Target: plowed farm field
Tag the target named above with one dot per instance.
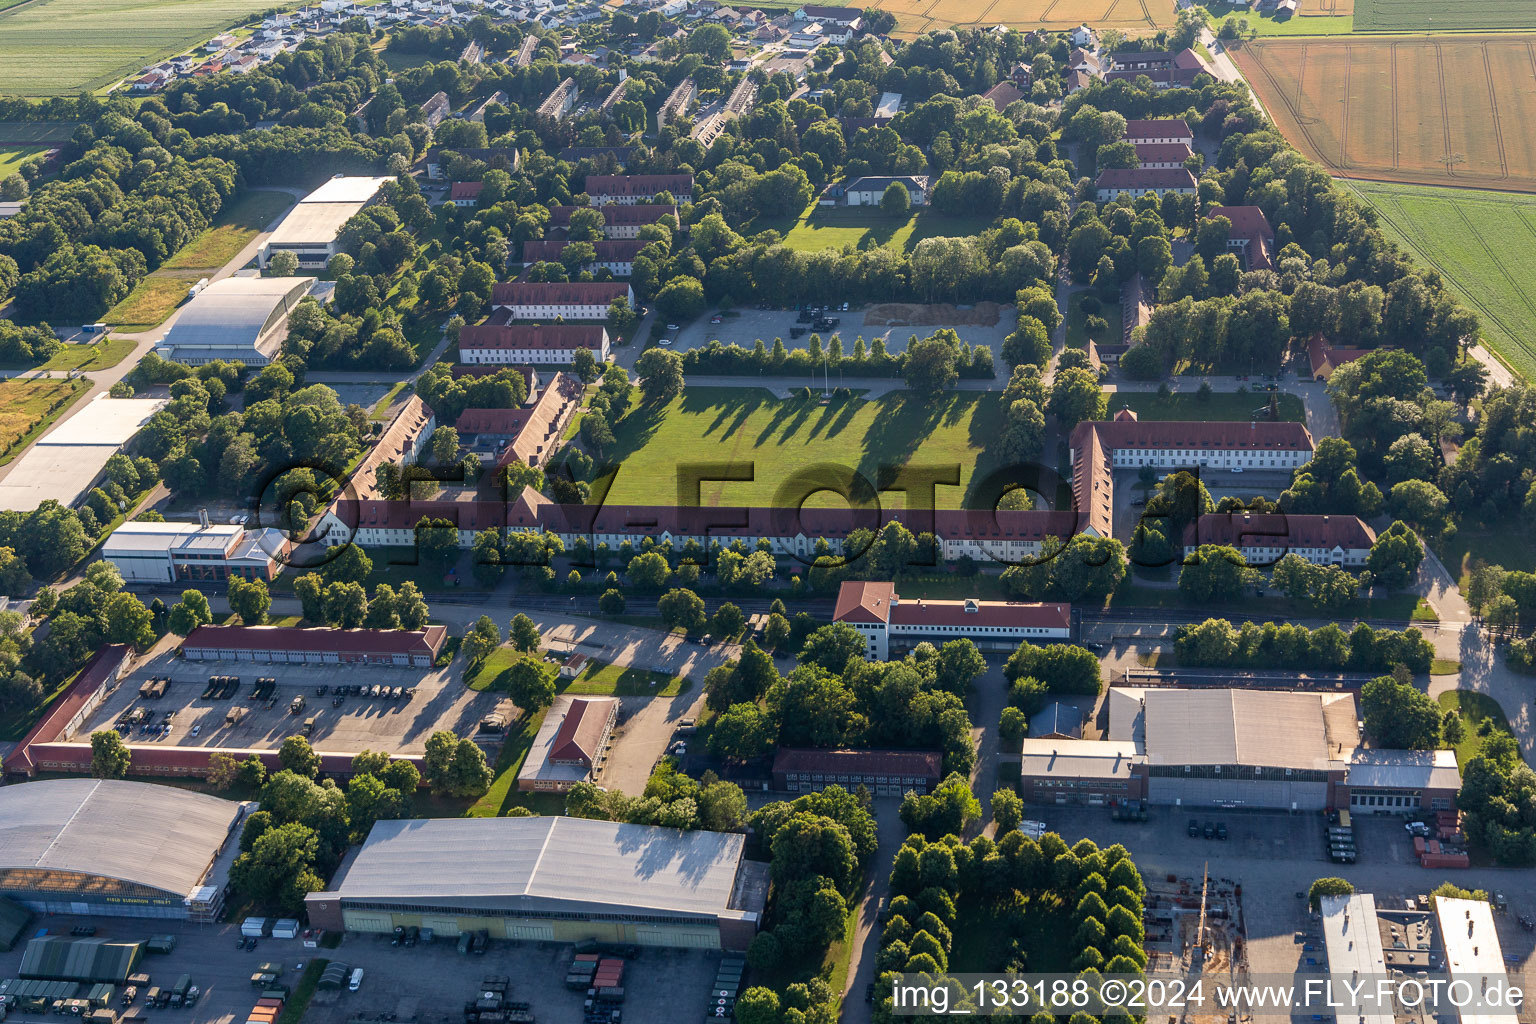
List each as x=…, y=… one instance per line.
x=1450, y=111
x=914, y=17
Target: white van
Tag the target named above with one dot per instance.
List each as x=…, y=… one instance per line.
x=356, y=981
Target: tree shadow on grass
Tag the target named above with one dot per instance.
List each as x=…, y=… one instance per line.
x=902, y=422
x=735, y=405
x=635, y=430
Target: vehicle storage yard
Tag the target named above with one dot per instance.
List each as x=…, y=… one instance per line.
x=348, y=722
x=426, y=982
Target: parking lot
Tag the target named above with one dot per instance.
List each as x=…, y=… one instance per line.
x=357, y=723
x=425, y=983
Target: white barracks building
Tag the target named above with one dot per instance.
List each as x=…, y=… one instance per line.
x=877, y=611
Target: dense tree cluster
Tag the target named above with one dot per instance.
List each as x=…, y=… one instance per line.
x=1498, y=796
x=1089, y=900
x=670, y=799
x=1216, y=643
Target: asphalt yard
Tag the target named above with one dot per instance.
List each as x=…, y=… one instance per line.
x=399, y=726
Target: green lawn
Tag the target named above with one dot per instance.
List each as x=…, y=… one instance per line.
x=503, y=793
x=1187, y=405
x=1267, y=25
x=35, y=133
x=1482, y=243
x=1480, y=717
x=1078, y=334
x=1424, y=612
x=60, y=47
x=833, y=227
x=598, y=679
x=1444, y=667
x=241, y=219
x=1505, y=545
x=99, y=356
x=381, y=407
x=778, y=452
x=151, y=301
x=12, y=157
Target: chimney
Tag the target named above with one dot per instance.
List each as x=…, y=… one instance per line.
x=202, y=518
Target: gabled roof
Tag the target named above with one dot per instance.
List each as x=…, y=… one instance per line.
x=1251, y=529
x=619, y=250
x=1002, y=94
x=627, y=216
x=558, y=293
x=465, y=190
x=557, y=337
x=1163, y=152
x=1169, y=128
x=426, y=641
x=581, y=732
x=1145, y=177
x=638, y=185
x=862, y=601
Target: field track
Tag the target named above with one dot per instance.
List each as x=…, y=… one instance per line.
x=1444, y=111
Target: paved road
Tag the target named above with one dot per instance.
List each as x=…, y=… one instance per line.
x=1225, y=69
x=866, y=938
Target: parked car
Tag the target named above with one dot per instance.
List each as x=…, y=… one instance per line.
x=673, y=327
x=1194, y=828
x=1210, y=830
x=1221, y=831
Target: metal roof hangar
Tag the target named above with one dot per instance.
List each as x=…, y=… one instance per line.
x=115, y=849
x=552, y=879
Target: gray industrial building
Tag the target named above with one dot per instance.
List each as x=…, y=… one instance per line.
x=312, y=228
x=551, y=879
x=242, y=319
x=115, y=849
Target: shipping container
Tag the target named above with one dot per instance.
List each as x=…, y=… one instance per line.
x=253, y=927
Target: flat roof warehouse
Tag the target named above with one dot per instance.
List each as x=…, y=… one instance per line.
x=67, y=461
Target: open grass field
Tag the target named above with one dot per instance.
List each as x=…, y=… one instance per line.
x=1483, y=243
x=1317, y=18
x=35, y=133
x=234, y=227
x=59, y=47
x=12, y=157
x=833, y=227
x=27, y=406
x=795, y=449
x=1446, y=111
x=1132, y=16
x=1222, y=406
x=1437, y=16
x=1078, y=334
x=151, y=301
x=1480, y=716
x=100, y=356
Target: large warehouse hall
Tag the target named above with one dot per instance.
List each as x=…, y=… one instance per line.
x=115, y=849
x=551, y=879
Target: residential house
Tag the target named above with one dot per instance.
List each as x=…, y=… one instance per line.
x=571, y=300
x=1250, y=237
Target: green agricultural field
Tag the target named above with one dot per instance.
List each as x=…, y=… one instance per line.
x=1437, y=16
x=59, y=47
x=793, y=449
x=1267, y=25
x=1484, y=243
x=833, y=227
